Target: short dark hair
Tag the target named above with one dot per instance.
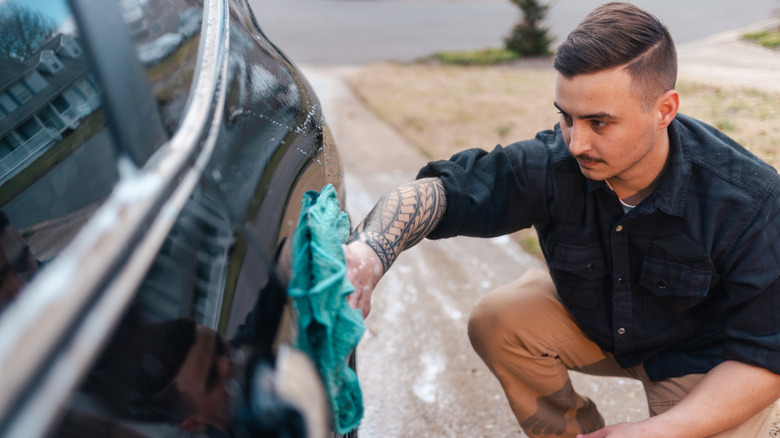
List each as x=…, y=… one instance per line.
x=621, y=34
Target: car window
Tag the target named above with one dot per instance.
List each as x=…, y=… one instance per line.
x=57, y=155
x=166, y=34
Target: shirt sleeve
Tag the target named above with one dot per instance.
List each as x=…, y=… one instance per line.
x=494, y=193
x=752, y=325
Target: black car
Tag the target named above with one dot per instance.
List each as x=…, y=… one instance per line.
x=153, y=158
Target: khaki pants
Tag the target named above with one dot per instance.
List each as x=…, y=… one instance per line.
x=529, y=341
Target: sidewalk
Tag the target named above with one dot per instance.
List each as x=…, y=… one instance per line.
x=726, y=60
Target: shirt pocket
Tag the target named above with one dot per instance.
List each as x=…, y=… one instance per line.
x=674, y=284
x=579, y=273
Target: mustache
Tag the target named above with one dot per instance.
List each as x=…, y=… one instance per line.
x=586, y=157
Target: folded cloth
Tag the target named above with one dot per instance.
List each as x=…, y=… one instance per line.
x=328, y=328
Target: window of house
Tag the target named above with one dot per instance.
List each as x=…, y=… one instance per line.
x=72, y=48
x=14, y=139
x=20, y=92
x=35, y=82
x=8, y=103
x=50, y=62
x=50, y=119
x=85, y=89
x=6, y=146
x=60, y=104
x=28, y=129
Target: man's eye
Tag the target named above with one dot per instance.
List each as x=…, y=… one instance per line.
x=598, y=123
x=566, y=118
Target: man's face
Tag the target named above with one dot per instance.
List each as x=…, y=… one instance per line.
x=204, y=380
x=608, y=131
x=17, y=264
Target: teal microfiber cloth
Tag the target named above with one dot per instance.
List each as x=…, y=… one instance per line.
x=329, y=329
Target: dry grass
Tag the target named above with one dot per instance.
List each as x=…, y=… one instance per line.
x=748, y=116
x=444, y=109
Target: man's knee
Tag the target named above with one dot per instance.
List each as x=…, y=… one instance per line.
x=507, y=312
x=482, y=325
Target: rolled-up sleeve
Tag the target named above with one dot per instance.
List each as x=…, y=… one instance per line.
x=494, y=193
x=752, y=326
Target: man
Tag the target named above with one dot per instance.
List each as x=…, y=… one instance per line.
x=181, y=372
x=659, y=233
x=176, y=371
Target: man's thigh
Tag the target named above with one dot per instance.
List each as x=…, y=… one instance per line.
x=531, y=315
x=527, y=313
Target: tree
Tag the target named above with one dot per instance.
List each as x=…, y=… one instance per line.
x=23, y=30
x=529, y=38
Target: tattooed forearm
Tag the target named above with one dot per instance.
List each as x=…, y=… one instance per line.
x=402, y=218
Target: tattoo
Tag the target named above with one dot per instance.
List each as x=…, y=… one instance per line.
x=402, y=218
x=558, y=412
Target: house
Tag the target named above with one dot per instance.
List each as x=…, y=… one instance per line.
x=41, y=97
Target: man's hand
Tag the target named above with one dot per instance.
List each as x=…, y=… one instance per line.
x=364, y=271
x=401, y=218
x=729, y=394
x=621, y=430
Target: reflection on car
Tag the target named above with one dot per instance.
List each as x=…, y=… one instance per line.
x=153, y=157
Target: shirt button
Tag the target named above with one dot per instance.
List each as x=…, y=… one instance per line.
x=662, y=284
x=621, y=281
x=621, y=331
x=619, y=228
x=590, y=267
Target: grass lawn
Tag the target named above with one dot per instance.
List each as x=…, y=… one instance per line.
x=444, y=109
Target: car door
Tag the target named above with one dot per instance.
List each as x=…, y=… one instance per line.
x=173, y=160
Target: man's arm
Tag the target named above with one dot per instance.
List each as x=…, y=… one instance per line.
x=400, y=220
x=728, y=395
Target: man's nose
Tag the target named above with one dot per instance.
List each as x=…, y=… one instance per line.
x=580, y=140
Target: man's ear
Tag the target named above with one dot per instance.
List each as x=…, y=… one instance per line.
x=193, y=424
x=667, y=107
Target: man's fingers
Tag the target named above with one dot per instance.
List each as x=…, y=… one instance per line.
x=356, y=301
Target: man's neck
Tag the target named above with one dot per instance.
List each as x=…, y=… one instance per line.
x=634, y=189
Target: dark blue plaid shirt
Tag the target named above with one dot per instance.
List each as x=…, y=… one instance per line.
x=684, y=281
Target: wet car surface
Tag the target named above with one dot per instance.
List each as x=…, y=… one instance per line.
x=153, y=155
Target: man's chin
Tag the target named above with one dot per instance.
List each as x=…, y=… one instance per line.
x=593, y=174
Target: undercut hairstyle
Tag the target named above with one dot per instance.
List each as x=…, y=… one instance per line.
x=620, y=34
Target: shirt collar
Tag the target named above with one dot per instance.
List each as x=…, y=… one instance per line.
x=670, y=194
